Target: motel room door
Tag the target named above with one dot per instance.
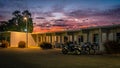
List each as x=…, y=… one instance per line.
x=118, y=37
x=65, y=39
x=80, y=39
x=96, y=38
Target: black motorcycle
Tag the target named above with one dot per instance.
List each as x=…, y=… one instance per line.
x=71, y=49
x=85, y=48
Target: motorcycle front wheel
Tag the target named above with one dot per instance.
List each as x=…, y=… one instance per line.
x=64, y=51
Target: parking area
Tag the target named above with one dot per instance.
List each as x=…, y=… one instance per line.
x=53, y=58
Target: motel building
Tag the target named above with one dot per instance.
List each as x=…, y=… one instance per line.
x=92, y=34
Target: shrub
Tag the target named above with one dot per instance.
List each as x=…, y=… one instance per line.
x=45, y=45
x=22, y=44
x=5, y=44
x=112, y=47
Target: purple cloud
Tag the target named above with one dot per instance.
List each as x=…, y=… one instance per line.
x=58, y=8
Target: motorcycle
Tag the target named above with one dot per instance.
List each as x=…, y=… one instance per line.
x=85, y=48
x=71, y=49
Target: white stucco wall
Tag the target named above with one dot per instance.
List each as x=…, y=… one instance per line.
x=16, y=37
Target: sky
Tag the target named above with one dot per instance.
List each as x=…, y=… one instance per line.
x=64, y=14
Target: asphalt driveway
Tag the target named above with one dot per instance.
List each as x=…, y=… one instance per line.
x=52, y=58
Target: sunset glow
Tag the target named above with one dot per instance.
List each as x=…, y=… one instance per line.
x=60, y=15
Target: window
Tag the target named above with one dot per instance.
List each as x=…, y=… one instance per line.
x=39, y=39
x=80, y=38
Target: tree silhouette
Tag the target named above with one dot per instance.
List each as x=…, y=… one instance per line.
x=3, y=26
x=17, y=22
